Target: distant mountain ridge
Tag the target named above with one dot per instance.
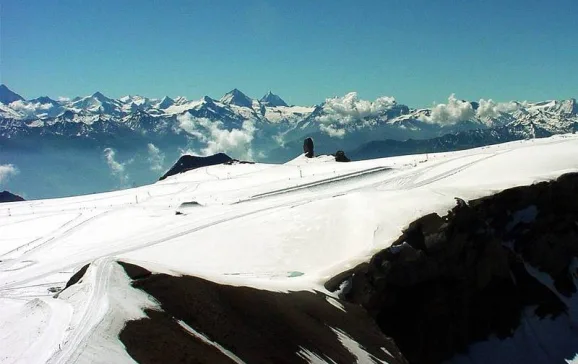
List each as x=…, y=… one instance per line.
x=269, y=125
x=97, y=143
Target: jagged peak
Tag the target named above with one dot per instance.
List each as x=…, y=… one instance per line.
x=44, y=100
x=179, y=100
x=270, y=99
x=207, y=100
x=7, y=96
x=166, y=102
x=99, y=96
x=236, y=97
x=570, y=106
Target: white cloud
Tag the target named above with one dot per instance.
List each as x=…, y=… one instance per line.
x=332, y=130
x=191, y=125
x=117, y=169
x=457, y=110
x=156, y=157
x=29, y=108
x=63, y=99
x=7, y=171
x=350, y=108
x=234, y=142
x=279, y=138
x=339, y=112
x=489, y=109
x=452, y=112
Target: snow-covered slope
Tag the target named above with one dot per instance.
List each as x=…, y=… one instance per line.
x=273, y=227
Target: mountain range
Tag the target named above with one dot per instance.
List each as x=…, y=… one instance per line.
x=263, y=130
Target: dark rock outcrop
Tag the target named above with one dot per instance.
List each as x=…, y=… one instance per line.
x=451, y=281
x=341, y=157
x=76, y=277
x=308, y=148
x=134, y=271
x=189, y=162
x=6, y=196
x=236, y=161
x=257, y=326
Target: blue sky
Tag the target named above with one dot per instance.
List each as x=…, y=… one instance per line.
x=417, y=51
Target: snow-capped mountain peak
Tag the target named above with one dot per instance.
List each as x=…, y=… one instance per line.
x=270, y=99
x=236, y=97
x=180, y=100
x=100, y=97
x=45, y=100
x=569, y=107
x=165, y=103
x=7, y=96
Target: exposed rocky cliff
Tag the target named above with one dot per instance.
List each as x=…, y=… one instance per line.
x=476, y=273
x=253, y=326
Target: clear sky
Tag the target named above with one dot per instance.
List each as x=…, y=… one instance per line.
x=418, y=51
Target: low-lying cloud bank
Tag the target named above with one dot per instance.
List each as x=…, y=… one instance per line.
x=339, y=112
x=156, y=158
x=7, y=171
x=350, y=108
x=458, y=110
x=234, y=142
x=117, y=168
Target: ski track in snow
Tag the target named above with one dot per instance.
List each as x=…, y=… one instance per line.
x=93, y=313
x=258, y=217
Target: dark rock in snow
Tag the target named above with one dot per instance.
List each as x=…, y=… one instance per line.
x=308, y=148
x=236, y=161
x=255, y=326
x=76, y=276
x=189, y=162
x=341, y=157
x=6, y=196
x=479, y=277
x=135, y=271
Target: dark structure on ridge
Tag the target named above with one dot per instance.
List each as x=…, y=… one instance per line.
x=341, y=157
x=308, y=148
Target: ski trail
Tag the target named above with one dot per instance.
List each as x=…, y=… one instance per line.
x=322, y=182
x=93, y=312
x=19, y=254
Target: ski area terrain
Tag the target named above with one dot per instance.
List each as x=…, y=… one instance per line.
x=247, y=263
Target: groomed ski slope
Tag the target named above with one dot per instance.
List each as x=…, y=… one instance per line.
x=275, y=227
